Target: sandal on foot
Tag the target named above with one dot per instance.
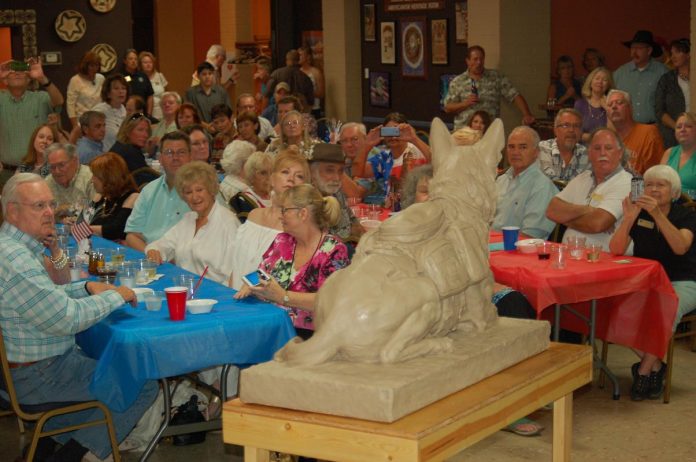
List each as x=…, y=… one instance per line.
x=524, y=427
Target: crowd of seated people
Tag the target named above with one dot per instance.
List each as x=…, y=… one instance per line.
x=169, y=176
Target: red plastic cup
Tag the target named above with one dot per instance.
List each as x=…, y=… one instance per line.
x=176, y=301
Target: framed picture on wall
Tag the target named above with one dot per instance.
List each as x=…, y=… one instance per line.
x=413, y=48
x=380, y=93
x=438, y=30
x=369, y=21
x=445, y=80
x=461, y=17
x=387, y=39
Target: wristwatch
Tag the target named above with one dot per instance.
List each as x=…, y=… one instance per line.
x=286, y=298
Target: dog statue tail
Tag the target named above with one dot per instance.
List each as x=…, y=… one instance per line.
x=316, y=350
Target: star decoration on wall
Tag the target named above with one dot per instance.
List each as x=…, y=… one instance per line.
x=70, y=26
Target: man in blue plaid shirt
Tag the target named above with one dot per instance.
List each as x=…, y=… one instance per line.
x=39, y=320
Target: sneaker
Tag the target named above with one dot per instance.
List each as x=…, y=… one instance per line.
x=657, y=382
x=640, y=388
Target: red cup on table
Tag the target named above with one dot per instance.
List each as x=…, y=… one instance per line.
x=176, y=301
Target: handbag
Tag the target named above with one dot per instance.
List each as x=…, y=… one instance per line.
x=188, y=413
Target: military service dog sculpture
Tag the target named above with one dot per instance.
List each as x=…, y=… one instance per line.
x=421, y=275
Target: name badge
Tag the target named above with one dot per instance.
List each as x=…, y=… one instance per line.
x=646, y=223
x=596, y=198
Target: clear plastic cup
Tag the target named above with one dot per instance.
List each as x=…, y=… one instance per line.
x=153, y=301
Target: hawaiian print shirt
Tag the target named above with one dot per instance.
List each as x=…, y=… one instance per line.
x=331, y=255
x=491, y=86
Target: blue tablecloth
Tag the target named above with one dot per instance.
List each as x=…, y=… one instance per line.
x=133, y=345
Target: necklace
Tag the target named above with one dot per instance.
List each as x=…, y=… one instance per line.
x=598, y=114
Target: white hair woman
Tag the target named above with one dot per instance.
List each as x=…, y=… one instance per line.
x=233, y=159
x=257, y=173
x=204, y=236
x=301, y=257
x=662, y=230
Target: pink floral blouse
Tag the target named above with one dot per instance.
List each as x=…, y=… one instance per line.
x=331, y=255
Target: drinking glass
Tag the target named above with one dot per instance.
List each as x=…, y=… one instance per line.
x=593, y=252
x=576, y=247
x=558, y=256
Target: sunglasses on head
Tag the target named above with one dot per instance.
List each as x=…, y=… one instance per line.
x=136, y=116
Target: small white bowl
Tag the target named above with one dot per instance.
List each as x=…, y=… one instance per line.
x=139, y=291
x=200, y=305
x=528, y=245
x=370, y=224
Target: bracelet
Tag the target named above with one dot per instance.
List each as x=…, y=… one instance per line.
x=47, y=84
x=60, y=262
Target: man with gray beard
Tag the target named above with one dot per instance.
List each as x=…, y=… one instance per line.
x=326, y=164
x=590, y=205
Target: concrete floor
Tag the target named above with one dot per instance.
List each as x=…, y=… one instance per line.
x=604, y=430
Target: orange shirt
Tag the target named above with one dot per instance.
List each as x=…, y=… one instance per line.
x=645, y=143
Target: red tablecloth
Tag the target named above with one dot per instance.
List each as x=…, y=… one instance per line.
x=636, y=304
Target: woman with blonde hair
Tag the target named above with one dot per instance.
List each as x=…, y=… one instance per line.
x=293, y=132
x=35, y=161
x=131, y=142
x=264, y=223
x=204, y=236
x=302, y=257
x=681, y=157
x=593, y=104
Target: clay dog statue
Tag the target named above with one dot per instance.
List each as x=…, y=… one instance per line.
x=419, y=276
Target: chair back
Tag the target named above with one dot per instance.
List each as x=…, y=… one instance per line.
x=8, y=384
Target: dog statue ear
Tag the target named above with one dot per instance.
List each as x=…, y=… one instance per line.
x=491, y=145
x=441, y=143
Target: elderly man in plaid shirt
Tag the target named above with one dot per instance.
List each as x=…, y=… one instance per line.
x=39, y=321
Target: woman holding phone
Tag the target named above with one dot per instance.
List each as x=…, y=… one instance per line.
x=661, y=230
x=301, y=257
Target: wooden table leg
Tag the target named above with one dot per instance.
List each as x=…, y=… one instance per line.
x=562, y=428
x=252, y=454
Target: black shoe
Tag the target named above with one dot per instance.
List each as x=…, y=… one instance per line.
x=44, y=449
x=634, y=370
x=657, y=382
x=640, y=388
x=72, y=451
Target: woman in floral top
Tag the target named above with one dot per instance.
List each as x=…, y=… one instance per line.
x=302, y=257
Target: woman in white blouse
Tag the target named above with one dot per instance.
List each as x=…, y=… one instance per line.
x=148, y=66
x=84, y=88
x=205, y=235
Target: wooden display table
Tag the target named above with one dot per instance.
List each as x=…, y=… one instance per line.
x=435, y=432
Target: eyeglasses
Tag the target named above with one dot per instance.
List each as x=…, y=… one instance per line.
x=353, y=140
x=566, y=126
x=285, y=209
x=136, y=116
x=199, y=143
x=39, y=206
x=172, y=153
x=59, y=165
x=292, y=123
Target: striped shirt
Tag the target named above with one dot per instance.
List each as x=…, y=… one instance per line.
x=39, y=319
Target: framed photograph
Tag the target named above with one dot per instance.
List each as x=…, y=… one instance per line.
x=369, y=21
x=380, y=93
x=413, y=48
x=461, y=17
x=438, y=31
x=445, y=80
x=387, y=37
